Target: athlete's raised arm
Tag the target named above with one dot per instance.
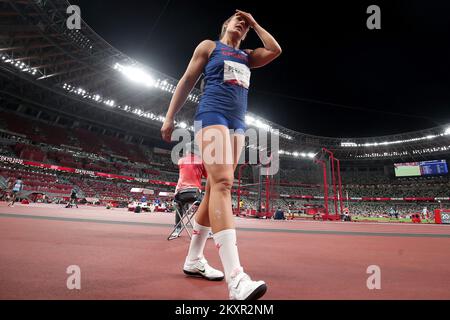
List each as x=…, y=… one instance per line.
x=271, y=50
x=193, y=72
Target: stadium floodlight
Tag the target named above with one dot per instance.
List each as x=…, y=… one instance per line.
x=257, y=123
x=262, y=125
x=447, y=131
x=110, y=103
x=348, y=144
x=311, y=155
x=135, y=74
x=249, y=119
x=303, y=155
x=295, y=154
x=183, y=125
x=385, y=143
x=286, y=136
x=139, y=76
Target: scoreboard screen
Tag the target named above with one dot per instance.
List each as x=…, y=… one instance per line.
x=424, y=168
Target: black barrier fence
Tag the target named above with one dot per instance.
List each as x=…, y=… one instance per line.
x=263, y=309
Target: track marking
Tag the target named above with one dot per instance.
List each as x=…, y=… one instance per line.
x=149, y=224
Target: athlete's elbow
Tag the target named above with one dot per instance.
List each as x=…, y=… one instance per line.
x=273, y=54
x=278, y=51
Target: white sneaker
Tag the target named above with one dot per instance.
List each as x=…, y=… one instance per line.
x=243, y=288
x=201, y=268
x=176, y=233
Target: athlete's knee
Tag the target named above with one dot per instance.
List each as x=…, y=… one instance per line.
x=223, y=182
x=207, y=186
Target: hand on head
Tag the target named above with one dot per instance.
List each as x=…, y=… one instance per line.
x=247, y=17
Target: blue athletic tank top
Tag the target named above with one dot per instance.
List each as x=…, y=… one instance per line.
x=226, y=82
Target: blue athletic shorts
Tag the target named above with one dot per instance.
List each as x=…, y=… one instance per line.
x=206, y=119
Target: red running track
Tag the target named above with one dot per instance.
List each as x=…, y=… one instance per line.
x=126, y=256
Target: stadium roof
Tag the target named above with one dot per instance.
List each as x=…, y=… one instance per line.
x=78, y=74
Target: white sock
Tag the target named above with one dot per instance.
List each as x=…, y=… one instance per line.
x=198, y=241
x=225, y=241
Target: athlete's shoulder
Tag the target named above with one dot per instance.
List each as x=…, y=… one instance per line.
x=205, y=49
x=208, y=42
x=206, y=46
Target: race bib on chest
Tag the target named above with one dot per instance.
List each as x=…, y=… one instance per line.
x=236, y=73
